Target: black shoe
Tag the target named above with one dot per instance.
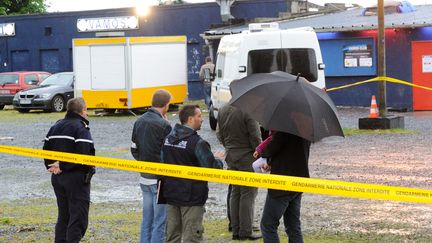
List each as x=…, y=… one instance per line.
x=250, y=237
x=235, y=237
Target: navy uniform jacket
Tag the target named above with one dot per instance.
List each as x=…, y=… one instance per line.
x=71, y=135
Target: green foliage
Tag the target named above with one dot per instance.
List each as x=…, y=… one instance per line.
x=12, y=7
x=166, y=2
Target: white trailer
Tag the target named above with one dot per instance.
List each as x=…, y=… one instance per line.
x=123, y=72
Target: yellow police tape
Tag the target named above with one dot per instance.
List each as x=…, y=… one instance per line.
x=380, y=79
x=310, y=185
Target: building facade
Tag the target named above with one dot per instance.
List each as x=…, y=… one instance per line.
x=44, y=41
x=348, y=42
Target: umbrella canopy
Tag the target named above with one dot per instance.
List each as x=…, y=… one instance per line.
x=283, y=102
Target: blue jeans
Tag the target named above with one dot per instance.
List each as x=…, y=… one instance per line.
x=287, y=207
x=154, y=216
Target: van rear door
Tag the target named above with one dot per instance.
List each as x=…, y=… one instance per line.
x=301, y=54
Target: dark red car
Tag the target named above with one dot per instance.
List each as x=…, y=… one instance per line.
x=13, y=82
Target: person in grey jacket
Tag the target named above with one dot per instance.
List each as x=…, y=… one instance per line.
x=240, y=135
x=148, y=134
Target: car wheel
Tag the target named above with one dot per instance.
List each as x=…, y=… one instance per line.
x=57, y=104
x=23, y=110
x=110, y=111
x=1, y=107
x=212, y=119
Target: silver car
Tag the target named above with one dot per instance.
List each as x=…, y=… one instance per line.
x=51, y=95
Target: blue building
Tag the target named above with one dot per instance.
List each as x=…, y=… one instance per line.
x=348, y=35
x=44, y=41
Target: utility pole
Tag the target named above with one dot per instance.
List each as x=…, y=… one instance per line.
x=382, y=103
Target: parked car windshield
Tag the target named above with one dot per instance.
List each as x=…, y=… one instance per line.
x=9, y=79
x=58, y=79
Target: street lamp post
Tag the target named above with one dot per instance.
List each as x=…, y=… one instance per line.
x=381, y=60
x=384, y=121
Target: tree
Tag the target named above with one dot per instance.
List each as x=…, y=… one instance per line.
x=168, y=2
x=11, y=7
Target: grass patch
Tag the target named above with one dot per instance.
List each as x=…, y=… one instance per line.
x=31, y=117
x=5, y=220
x=11, y=115
x=355, y=131
x=34, y=220
x=119, y=153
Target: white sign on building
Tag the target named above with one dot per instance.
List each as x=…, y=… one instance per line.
x=7, y=29
x=427, y=63
x=107, y=24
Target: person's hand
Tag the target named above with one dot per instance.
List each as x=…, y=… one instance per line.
x=55, y=168
x=265, y=167
x=220, y=154
x=256, y=154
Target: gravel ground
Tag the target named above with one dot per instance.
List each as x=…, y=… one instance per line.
x=390, y=159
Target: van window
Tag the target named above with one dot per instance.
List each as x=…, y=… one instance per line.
x=292, y=60
x=220, y=65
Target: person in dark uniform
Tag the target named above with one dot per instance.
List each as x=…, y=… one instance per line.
x=71, y=182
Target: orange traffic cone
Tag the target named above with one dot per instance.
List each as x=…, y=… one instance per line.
x=373, y=108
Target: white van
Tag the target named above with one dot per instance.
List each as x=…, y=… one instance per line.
x=264, y=48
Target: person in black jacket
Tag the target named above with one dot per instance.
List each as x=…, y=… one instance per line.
x=185, y=197
x=148, y=136
x=71, y=182
x=287, y=155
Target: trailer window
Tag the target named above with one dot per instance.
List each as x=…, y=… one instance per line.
x=293, y=61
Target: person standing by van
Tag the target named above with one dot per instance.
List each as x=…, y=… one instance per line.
x=240, y=135
x=206, y=75
x=287, y=155
x=148, y=135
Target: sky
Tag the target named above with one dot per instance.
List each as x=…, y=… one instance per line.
x=77, y=5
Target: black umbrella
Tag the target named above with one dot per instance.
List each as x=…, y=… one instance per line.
x=283, y=102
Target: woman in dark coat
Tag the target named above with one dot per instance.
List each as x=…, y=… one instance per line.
x=287, y=155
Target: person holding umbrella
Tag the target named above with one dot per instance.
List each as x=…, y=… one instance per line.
x=287, y=155
x=299, y=113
